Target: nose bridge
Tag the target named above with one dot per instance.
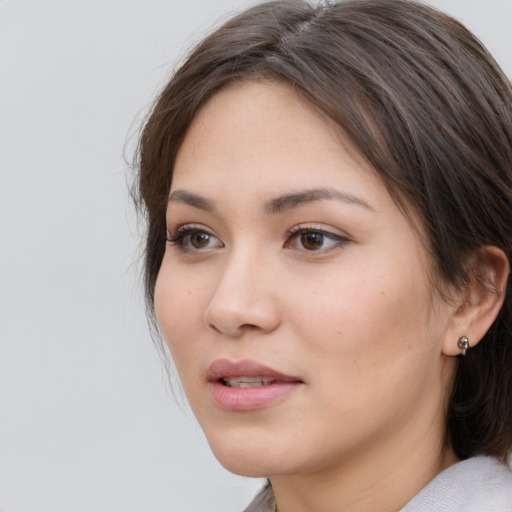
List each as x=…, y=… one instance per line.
x=243, y=298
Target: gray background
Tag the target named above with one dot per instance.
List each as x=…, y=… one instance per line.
x=86, y=419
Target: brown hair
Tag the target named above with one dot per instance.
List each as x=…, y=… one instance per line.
x=422, y=101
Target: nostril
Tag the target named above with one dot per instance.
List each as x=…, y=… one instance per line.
x=213, y=327
x=237, y=308
x=233, y=330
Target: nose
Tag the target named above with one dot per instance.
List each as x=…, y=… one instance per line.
x=244, y=299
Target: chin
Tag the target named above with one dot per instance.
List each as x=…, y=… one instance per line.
x=245, y=469
x=247, y=457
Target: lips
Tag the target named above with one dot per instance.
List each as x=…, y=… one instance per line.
x=247, y=382
x=247, y=385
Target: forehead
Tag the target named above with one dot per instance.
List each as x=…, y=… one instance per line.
x=267, y=128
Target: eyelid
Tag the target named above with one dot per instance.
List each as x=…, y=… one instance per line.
x=330, y=232
x=187, y=228
x=179, y=236
x=338, y=239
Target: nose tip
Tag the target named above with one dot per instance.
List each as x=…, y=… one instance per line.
x=243, y=302
x=237, y=321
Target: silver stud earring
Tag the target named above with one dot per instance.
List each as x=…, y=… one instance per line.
x=463, y=344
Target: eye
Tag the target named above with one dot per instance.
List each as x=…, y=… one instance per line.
x=314, y=239
x=193, y=238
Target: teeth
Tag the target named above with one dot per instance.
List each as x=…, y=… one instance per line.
x=247, y=382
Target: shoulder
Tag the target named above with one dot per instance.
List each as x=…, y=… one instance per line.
x=478, y=484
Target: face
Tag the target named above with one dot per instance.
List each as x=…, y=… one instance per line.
x=294, y=295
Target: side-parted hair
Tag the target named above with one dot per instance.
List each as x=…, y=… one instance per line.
x=418, y=97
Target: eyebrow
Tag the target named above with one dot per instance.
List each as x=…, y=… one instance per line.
x=296, y=199
x=200, y=202
x=279, y=204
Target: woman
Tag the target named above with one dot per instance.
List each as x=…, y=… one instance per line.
x=329, y=192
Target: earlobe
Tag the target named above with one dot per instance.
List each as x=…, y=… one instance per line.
x=480, y=302
x=463, y=344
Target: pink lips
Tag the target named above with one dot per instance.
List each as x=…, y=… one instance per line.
x=249, y=397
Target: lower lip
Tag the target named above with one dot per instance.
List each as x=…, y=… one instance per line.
x=248, y=399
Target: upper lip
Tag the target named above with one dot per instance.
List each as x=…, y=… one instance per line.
x=226, y=369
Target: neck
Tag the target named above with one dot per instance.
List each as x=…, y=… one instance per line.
x=383, y=478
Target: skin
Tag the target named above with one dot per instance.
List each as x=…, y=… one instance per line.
x=355, y=318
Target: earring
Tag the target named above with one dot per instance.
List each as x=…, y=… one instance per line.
x=463, y=344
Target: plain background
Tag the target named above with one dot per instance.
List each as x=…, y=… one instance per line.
x=87, y=423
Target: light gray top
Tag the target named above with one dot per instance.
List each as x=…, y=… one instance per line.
x=479, y=484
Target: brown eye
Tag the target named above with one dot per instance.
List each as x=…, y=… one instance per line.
x=191, y=238
x=312, y=241
x=199, y=240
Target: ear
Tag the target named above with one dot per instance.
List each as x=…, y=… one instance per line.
x=479, y=303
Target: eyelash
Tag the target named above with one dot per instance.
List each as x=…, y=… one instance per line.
x=181, y=236
x=298, y=231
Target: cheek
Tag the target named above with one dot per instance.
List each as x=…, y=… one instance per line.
x=362, y=312
x=368, y=331
x=178, y=310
